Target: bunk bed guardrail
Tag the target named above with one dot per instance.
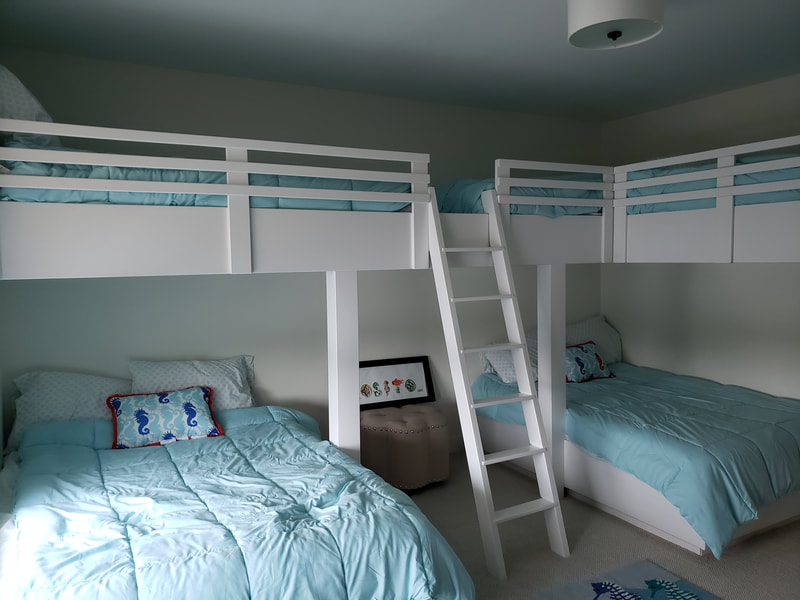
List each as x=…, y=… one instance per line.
x=42, y=239
x=735, y=204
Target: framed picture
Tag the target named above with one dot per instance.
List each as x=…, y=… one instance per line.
x=394, y=382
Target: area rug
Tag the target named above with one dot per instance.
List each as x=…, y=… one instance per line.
x=642, y=580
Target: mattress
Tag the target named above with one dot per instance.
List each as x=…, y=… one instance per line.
x=645, y=190
x=188, y=176
x=464, y=196
x=266, y=510
x=717, y=452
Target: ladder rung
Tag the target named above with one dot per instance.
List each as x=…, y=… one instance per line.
x=506, y=346
x=521, y=510
x=512, y=454
x=474, y=249
x=483, y=298
x=497, y=400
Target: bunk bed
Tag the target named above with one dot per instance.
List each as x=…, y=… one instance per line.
x=260, y=497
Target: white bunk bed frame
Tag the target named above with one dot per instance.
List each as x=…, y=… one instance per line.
x=44, y=240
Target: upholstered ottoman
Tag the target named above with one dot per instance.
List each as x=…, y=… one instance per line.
x=408, y=446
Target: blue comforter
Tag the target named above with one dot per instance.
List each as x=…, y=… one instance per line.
x=265, y=511
x=717, y=452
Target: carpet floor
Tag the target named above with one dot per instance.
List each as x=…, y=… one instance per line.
x=764, y=566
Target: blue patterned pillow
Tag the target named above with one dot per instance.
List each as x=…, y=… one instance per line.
x=162, y=417
x=584, y=363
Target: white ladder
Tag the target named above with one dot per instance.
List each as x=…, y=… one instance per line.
x=548, y=503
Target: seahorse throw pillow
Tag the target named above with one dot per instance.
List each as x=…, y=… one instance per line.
x=584, y=363
x=162, y=417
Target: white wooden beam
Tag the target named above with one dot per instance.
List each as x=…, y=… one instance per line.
x=239, y=217
x=551, y=329
x=344, y=428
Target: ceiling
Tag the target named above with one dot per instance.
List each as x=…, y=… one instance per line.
x=504, y=54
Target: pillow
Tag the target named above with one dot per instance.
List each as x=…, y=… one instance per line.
x=16, y=102
x=605, y=337
x=162, y=417
x=61, y=396
x=584, y=363
x=501, y=363
x=231, y=378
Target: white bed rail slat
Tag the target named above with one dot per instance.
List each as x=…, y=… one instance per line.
x=553, y=201
x=710, y=154
x=243, y=166
x=213, y=189
x=738, y=190
x=185, y=139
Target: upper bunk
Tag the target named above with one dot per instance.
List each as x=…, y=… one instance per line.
x=736, y=204
x=175, y=204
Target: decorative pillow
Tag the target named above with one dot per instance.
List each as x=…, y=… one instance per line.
x=162, y=417
x=230, y=378
x=61, y=396
x=16, y=102
x=584, y=363
x=606, y=338
x=501, y=363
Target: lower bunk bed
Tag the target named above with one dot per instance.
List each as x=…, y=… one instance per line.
x=695, y=462
x=173, y=498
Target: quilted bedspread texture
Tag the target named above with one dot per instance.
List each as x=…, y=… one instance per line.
x=265, y=511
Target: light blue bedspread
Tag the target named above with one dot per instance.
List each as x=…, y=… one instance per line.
x=717, y=452
x=265, y=511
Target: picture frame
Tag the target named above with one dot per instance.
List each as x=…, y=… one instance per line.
x=394, y=382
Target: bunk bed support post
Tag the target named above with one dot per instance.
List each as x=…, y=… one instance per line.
x=620, y=212
x=344, y=429
x=551, y=331
x=419, y=213
x=239, y=217
x=725, y=203
x=607, y=234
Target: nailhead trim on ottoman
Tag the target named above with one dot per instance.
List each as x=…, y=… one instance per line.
x=408, y=446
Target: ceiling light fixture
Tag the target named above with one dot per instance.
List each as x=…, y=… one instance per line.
x=606, y=24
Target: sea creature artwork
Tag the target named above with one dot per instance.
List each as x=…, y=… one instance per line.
x=616, y=592
x=397, y=383
x=206, y=393
x=163, y=398
x=386, y=387
x=116, y=403
x=191, y=413
x=142, y=419
x=213, y=431
x=168, y=437
x=673, y=591
x=366, y=391
x=411, y=385
x=376, y=389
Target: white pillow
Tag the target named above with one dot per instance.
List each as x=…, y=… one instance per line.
x=61, y=396
x=230, y=378
x=596, y=329
x=501, y=363
x=16, y=102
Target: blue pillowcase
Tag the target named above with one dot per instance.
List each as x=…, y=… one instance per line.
x=162, y=417
x=584, y=363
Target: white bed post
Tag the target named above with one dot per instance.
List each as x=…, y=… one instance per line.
x=551, y=330
x=239, y=217
x=419, y=213
x=620, y=239
x=344, y=427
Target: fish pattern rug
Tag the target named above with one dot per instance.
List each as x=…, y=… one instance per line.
x=642, y=580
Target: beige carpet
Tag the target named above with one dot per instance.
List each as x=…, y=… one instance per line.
x=766, y=566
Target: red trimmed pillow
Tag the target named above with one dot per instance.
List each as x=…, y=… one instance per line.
x=162, y=417
x=584, y=363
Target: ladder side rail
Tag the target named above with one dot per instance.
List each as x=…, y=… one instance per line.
x=473, y=446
